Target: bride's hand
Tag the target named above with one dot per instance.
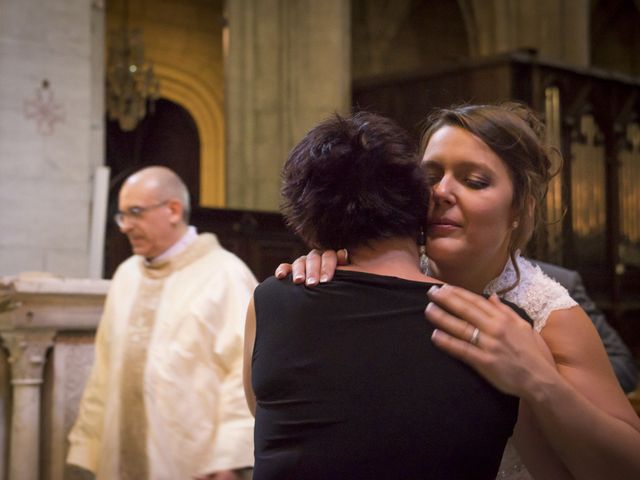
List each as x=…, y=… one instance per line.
x=314, y=267
x=490, y=337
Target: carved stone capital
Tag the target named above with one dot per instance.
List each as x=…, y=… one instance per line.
x=27, y=353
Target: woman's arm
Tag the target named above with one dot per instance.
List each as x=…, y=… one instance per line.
x=313, y=266
x=534, y=451
x=249, y=341
x=575, y=403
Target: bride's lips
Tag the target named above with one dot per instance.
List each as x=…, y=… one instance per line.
x=442, y=226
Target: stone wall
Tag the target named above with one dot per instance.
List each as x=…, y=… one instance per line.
x=51, y=131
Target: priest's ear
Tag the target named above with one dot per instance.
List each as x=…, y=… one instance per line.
x=176, y=209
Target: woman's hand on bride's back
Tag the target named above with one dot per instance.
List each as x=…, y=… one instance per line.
x=314, y=267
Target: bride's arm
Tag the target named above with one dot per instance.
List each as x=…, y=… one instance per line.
x=591, y=412
x=576, y=404
x=534, y=451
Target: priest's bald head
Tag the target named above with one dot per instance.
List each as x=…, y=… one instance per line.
x=153, y=210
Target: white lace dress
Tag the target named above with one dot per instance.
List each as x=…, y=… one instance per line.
x=538, y=295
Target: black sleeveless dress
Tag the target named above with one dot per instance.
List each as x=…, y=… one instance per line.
x=350, y=386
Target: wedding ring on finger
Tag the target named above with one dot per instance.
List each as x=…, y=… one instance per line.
x=475, y=337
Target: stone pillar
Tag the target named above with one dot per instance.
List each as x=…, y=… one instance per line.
x=288, y=67
x=42, y=305
x=27, y=352
x=557, y=29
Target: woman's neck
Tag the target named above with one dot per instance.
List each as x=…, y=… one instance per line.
x=473, y=276
x=396, y=257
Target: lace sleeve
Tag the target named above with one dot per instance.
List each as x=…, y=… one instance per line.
x=537, y=294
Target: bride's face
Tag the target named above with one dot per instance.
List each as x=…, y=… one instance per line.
x=471, y=214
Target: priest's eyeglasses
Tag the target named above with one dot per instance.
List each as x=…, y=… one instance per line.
x=134, y=213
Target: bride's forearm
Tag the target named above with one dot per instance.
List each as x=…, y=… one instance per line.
x=591, y=443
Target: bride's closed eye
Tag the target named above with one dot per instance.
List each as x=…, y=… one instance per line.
x=476, y=182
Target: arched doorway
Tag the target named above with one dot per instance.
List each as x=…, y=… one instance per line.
x=167, y=137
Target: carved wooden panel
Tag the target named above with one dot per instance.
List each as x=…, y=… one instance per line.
x=588, y=193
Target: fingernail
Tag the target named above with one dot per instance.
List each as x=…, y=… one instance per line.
x=324, y=278
x=433, y=289
x=435, y=333
x=430, y=306
x=312, y=281
x=278, y=273
x=298, y=278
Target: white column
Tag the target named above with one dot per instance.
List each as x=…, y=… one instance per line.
x=27, y=356
x=36, y=446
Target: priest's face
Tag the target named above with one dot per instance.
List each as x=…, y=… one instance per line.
x=146, y=218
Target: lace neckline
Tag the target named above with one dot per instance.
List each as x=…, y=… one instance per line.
x=503, y=281
x=506, y=279
x=536, y=293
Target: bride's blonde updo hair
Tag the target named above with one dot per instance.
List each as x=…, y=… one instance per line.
x=517, y=137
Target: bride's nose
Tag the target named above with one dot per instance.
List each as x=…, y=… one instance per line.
x=442, y=192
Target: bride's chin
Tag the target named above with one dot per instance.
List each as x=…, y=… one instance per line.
x=443, y=252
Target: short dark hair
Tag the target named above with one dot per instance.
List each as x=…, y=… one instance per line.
x=352, y=180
